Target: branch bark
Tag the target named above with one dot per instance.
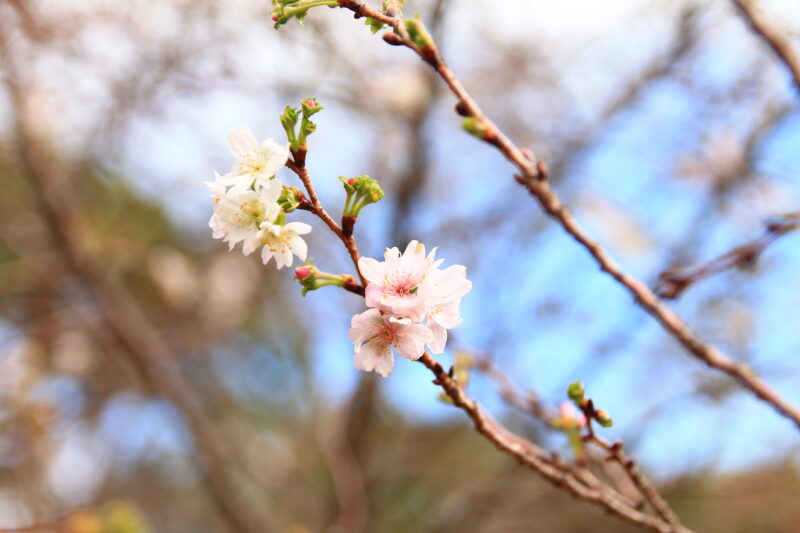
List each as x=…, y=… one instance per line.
x=533, y=175
x=772, y=36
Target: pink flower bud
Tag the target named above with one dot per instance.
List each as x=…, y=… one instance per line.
x=311, y=103
x=302, y=272
x=274, y=18
x=570, y=415
x=351, y=181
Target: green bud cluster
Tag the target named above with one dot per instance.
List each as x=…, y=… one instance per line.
x=290, y=199
x=386, y=6
x=577, y=393
x=417, y=32
x=291, y=116
x=361, y=191
x=285, y=10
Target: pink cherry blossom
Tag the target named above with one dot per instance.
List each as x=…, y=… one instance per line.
x=570, y=416
x=442, y=291
x=374, y=334
x=393, y=283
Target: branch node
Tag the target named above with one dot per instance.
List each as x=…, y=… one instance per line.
x=463, y=109
x=393, y=39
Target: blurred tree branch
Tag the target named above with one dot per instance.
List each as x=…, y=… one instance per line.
x=673, y=282
x=580, y=483
x=772, y=36
x=145, y=347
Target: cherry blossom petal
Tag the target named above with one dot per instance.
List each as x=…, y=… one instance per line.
x=371, y=269
x=375, y=356
x=439, y=338
x=242, y=141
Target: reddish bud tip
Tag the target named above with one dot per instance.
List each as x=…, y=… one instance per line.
x=274, y=18
x=302, y=272
x=311, y=103
x=393, y=39
x=463, y=109
x=351, y=181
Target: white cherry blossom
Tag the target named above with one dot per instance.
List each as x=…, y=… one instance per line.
x=283, y=242
x=255, y=163
x=240, y=211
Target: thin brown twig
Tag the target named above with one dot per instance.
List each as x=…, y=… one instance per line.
x=526, y=402
x=673, y=282
x=581, y=485
x=315, y=206
x=533, y=176
x=772, y=36
x=530, y=403
x=642, y=483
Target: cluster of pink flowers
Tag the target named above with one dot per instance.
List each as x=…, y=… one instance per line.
x=412, y=305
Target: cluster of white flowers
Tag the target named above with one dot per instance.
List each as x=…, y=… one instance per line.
x=246, y=206
x=412, y=305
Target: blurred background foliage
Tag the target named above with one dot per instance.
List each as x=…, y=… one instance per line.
x=151, y=381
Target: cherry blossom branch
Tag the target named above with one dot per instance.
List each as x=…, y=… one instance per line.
x=297, y=165
x=529, y=402
x=526, y=402
x=533, y=175
x=780, y=44
x=642, y=483
x=673, y=282
x=579, y=483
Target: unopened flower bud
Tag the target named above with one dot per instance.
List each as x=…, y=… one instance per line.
x=374, y=192
x=306, y=275
x=474, y=126
x=349, y=184
x=392, y=39
x=417, y=32
x=603, y=418
x=311, y=106
x=289, y=123
x=576, y=391
x=570, y=417
x=462, y=109
x=290, y=199
x=361, y=191
x=302, y=272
